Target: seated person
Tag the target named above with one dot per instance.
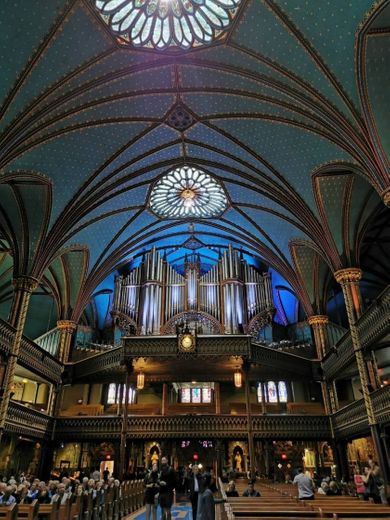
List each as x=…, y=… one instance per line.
x=231, y=490
x=251, y=491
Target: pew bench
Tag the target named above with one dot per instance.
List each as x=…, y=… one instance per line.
x=8, y=512
x=48, y=511
x=28, y=511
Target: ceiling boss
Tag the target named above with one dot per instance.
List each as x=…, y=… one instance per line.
x=161, y=24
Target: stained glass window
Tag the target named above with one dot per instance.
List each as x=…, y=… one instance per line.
x=272, y=394
x=282, y=390
x=188, y=192
x=114, y=392
x=206, y=395
x=111, y=397
x=259, y=392
x=160, y=24
x=186, y=395
x=196, y=395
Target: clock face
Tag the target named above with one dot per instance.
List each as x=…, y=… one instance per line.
x=187, y=342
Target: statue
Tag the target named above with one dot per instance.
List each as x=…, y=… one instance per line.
x=154, y=458
x=238, y=460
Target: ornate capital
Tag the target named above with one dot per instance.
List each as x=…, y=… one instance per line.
x=348, y=275
x=25, y=283
x=67, y=325
x=386, y=197
x=317, y=320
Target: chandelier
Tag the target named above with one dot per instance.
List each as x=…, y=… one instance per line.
x=188, y=192
x=161, y=24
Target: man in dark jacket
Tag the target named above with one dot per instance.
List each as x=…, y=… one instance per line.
x=193, y=486
x=167, y=482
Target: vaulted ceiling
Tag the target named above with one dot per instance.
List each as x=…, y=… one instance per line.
x=288, y=110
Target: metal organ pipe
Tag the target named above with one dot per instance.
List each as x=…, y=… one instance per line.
x=232, y=291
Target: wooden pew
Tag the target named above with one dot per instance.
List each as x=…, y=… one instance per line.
x=48, y=511
x=28, y=511
x=8, y=512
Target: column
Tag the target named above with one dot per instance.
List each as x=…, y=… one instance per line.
x=24, y=287
x=217, y=397
x=342, y=466
x=349, y=280
x=318, y=324
x=122, y=449
x=66, y=328
x=252, y=468
x=164, y=399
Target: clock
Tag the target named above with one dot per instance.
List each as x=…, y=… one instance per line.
x=187, y=342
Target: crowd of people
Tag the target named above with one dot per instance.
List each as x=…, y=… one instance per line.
x=161, y=483
x=368, y=485
x=24, y=490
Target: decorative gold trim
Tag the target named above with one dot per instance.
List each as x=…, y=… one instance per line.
x=66, y=325
x=386, y=196
x=25, y=283
x=317, y=320
x=348, y=275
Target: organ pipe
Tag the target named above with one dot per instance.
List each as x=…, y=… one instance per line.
x=232, y=291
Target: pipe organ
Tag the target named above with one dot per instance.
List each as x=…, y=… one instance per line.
x=154, y=296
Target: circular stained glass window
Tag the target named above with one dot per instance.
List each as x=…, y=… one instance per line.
x=188, y=193
x=161, y=24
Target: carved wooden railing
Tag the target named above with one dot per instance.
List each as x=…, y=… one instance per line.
x=165, y=347
x=49, y=341
x=372, y=326
x=352, y=419
x=22, y=420
x=199, y=426
x=31, y=355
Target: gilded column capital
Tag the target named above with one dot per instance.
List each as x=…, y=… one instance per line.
x=386, y=196
x=317, y=320
x=25, y=283
x=67, y=325
x=348, y=275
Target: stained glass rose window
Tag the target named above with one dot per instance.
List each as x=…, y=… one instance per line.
x=161, y=24
x=188, y=192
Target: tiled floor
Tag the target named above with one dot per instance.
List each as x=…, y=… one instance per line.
x=182, y=512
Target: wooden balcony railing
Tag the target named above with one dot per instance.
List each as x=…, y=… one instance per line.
x=197, y=426
x=373, y=325
x=31, y=355
x=23, y=420
x=352, y=419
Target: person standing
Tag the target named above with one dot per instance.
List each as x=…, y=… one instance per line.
x=167, y=487
x=151, y=489
x=371, y=486
x=193, y=488
x=206, y=500
x=305, y=485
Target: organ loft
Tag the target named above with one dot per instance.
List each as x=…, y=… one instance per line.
x=232, y=297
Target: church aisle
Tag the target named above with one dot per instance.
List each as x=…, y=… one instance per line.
x=179, y=511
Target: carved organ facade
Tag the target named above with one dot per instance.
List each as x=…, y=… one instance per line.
x=230, y=298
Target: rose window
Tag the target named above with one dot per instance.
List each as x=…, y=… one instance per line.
x=161, y=24
x=188, y=192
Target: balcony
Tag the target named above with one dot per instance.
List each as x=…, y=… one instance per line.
x=197, y=426
x=164, y=349
x=352, y=419
x=31, y=355
x=23, y=420
x=373, y=325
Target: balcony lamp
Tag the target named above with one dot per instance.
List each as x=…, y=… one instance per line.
x=238, y=378
x=140, y=381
